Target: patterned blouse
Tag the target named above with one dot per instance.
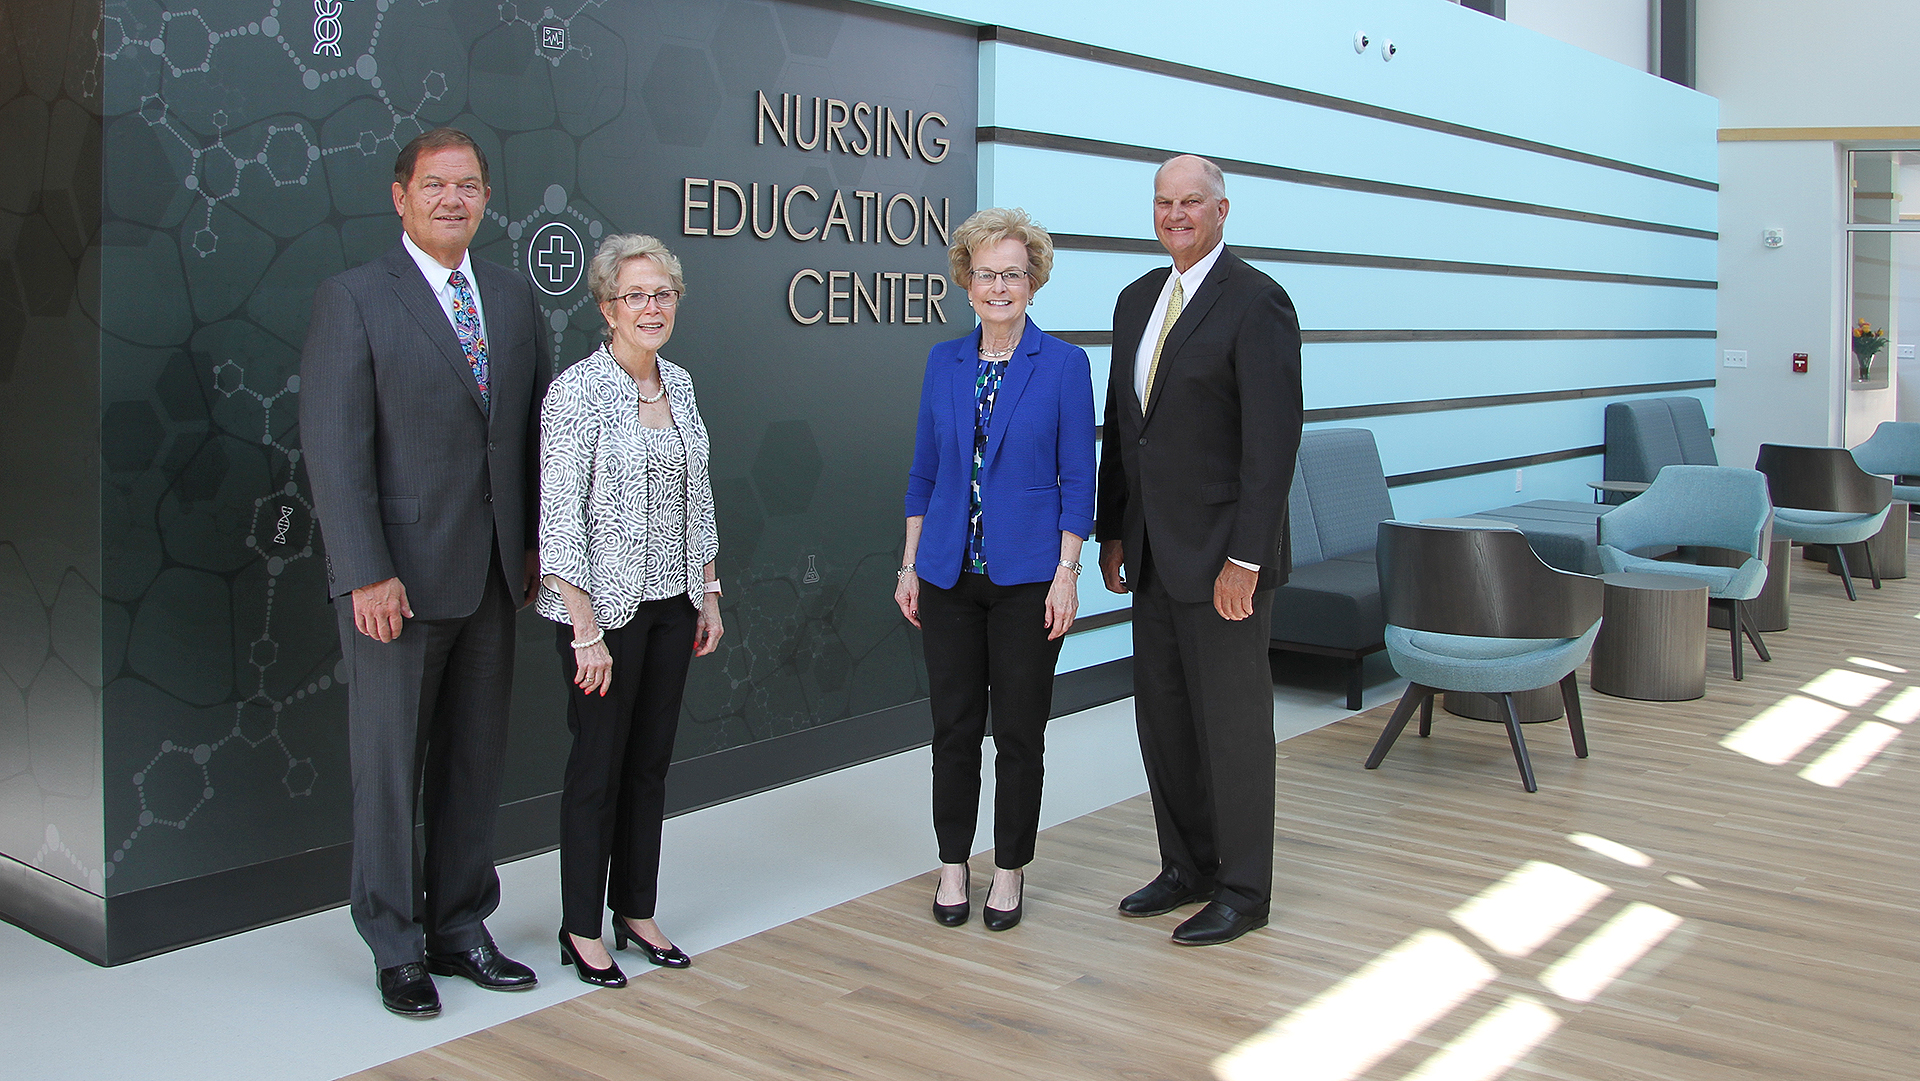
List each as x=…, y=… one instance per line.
x=626, y=512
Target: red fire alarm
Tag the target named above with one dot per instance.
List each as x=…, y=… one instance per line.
x=1800, y=363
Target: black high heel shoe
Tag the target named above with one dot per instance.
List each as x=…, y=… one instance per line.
x=610, y=976
x=953, y=915
x=1001, y=919
x=671, y=957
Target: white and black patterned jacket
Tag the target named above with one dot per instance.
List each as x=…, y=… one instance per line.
x=593, y=495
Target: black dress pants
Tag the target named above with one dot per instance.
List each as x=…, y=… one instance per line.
x=615, y=792
x=1203, y=704
x=988, y=653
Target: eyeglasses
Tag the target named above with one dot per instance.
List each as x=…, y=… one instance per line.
x=665, y=298
x=1013, y=278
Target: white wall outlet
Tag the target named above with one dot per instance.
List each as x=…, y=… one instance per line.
x=1733, y=358
x=1516, y=480
x=1903, y=352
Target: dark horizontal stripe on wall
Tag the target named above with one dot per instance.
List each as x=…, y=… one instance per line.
x=1101, y=619
x=1485, y=401
x=1336, y=336
x=1428, y=476
x=1117, y=58
x=1311, y=337
x=1135, y=246
x=1153, y=155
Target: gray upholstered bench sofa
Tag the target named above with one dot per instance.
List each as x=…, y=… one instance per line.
x=1330, y=605
x=1644, y=434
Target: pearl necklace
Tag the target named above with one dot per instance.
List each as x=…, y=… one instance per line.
x=644, y=400
x=992, y=355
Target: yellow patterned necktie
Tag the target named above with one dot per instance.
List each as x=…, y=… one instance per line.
x=1174, y=303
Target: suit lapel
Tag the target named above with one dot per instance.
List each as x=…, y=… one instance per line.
x=1013, y=383
x=1129, y=327
x=960, y=398
x=1192, y=312
x=410, y=286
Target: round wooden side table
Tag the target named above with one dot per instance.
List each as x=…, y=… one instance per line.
x=1653, y=639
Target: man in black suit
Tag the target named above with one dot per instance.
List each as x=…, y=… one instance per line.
x=1202, y=425
x=420, y=385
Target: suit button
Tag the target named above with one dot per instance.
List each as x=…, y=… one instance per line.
x=489, y=497
x=490, y=448
x=1143, y=440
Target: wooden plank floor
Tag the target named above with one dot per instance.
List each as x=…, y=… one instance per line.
x=1669, y=908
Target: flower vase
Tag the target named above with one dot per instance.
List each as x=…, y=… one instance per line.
x=1865, y=367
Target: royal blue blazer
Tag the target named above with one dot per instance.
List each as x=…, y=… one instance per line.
x=1036, y=479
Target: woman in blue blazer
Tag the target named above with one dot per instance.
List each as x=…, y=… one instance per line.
x=999, y=500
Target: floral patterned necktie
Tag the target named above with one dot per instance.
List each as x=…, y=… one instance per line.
x=985, y=387
x=466, y=322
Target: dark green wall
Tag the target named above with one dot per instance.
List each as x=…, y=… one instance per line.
x=153, y=452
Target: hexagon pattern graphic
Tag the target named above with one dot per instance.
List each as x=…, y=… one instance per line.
x=249, y=148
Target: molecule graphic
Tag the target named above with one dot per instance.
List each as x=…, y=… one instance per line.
x=286, y=153
x=555, y=31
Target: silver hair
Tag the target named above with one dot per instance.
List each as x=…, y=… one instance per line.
x=604, y=272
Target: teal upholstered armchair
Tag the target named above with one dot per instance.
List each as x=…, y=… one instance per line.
x=1893, y=450
x=1476, y=610
x=1822, y=496
x=1703, y=506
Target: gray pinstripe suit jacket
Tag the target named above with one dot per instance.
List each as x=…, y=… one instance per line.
x=411, y=476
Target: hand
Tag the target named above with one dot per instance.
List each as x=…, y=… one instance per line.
x=708, y=629
x=380, y=609
x=592, y=666
x=1063, y=601
x=906, y=594
x=530, y=587
x=1113, y=558
x=1233, y=591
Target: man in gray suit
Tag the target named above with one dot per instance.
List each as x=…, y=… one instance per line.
x=420, y=386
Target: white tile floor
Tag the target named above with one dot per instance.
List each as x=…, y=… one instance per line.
x=295, y=1001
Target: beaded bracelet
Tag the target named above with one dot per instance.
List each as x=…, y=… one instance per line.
x=594, y=641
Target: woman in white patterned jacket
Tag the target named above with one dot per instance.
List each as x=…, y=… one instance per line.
x=626, y=553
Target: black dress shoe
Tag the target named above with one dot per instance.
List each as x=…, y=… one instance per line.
x=1164, y=894
x=952, y=915
x=485, y=966
x=408, y=991
x=670, y=957
x=610, y=976
x=1218, y=922
x=1001, y=919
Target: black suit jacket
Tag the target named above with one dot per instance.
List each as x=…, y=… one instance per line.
x=1202, y=475
x=411, y=476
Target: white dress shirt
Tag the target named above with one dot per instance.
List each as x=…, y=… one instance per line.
x=1189, y=282
x=1143, y=358
x=438, y=279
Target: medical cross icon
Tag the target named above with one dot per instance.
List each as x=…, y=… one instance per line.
x=555, y=256
x=556, y=260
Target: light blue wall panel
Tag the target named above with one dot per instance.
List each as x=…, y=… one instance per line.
x=1088, y=648
x=1412, y=442
x=1454, y=64
x=1464, y=495
x=1076, y=193
x=1173, y=113
x=1364, y=373
x=1080, y=297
